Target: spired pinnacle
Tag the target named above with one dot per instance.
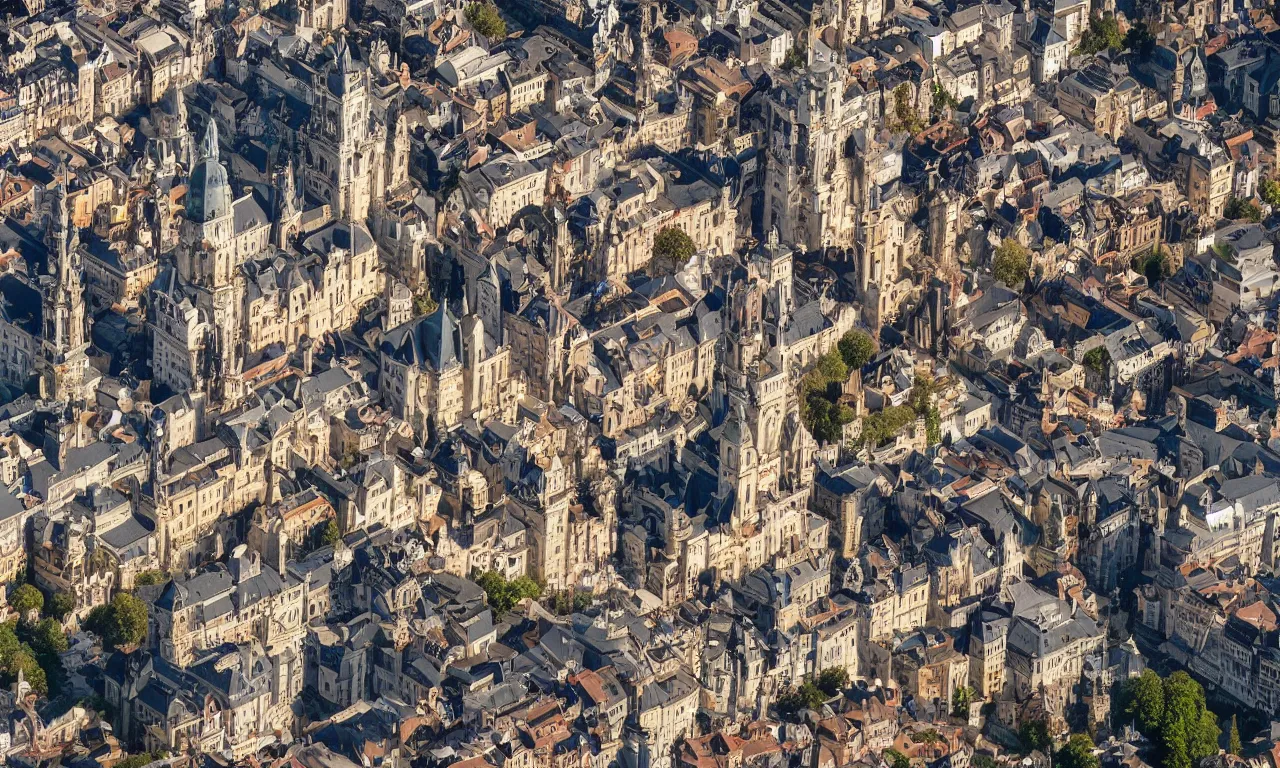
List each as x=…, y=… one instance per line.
x=209, y=144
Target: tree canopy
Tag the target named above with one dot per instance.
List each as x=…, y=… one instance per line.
x=1153, y=264
x=149, y=578
x=833, y=680
x=330, y=534
x=486, y=20
x=1011, y=263
x=1103, y=34
x=905, y=116
x=880, y=427
x=120, y=623
x=138, y=760
x=503, y=594
x=1269, y=191
x=26, y=598
x=1171, y=712
x=17, y=656
x=896, y=759
x=942, y=100
x=1240, y=209
x=856, y=349
x=1034, y=734
x=820, y=390
x=1097, y=360
x=48, y=637
x=60, y=605
x=807, y=696
x=672, y=249
x=1078, y=753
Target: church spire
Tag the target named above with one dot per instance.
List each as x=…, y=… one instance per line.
x=62, y=362
x=209, y=144
x=209, y=192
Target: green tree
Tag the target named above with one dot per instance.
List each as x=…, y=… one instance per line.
x=905, y=116
x=820, y=391
x=149, y=578
x=1152, y=264
x=960, y=701
x=1144, y=701
x=60, y=605
x=922, y=391
x=1187, y=718
x=1011, y=263
x=1077, y=753
x=933, y=426
x=1176, y=719
x=137, y=761
x=423, y=304
x=1097, y=360
x=48, y=638
x=120, y=623
x=17, y=656
x=795, y=58
x=942, y=99
x=1103, y=34
x=503, y=595
x=1034, y=734
x=856, y=349
x=486, y=20
x=831, y=368
x=672, y=249
x=46, y=641
x=1269, y=191
x=807, y=696
x=24, y=661
x=833, y=680
x=880, y=427
x=330, y=535
x=1140, y=40
x=25, y=599
x=1240, y=209
x=129, y=620
x=1233, y=740
x=896, y=759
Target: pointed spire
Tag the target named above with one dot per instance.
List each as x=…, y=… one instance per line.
x=286, y=190
x=342, y=53
x=209, y=145
x=61, y=225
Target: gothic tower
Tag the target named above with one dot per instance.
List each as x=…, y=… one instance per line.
x=207, y=252
x=738, y=466
x=345, y=152
x=64, y=362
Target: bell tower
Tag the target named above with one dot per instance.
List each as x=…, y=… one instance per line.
x=64, y=362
